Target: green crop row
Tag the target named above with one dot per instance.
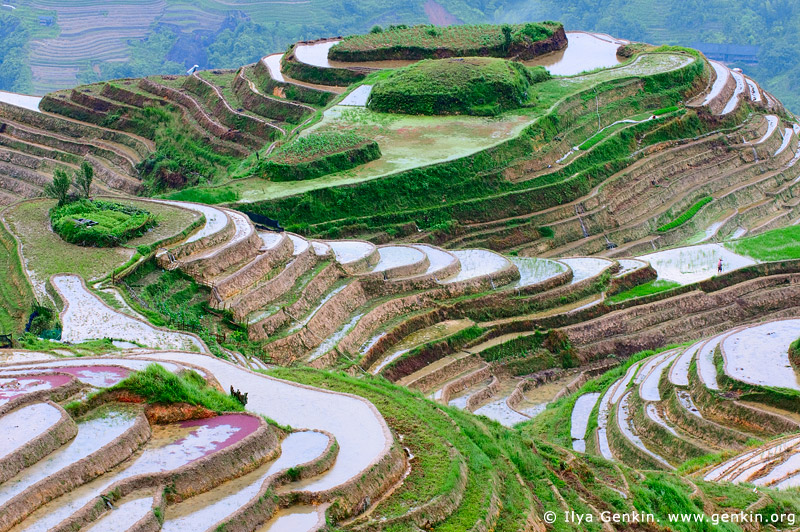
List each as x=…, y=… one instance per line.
x=686, y=215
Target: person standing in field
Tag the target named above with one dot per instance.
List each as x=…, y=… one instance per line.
x=719, y=266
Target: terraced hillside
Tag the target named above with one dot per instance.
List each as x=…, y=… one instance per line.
x=586, y=304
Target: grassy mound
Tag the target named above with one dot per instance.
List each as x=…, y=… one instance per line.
x=157, y=385
x=100, y=223
x=428, y=41
x=319, y=154
x=473, y=86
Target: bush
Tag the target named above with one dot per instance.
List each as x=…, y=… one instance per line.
x=319, y=154
x=473, y=86
x=114, y=225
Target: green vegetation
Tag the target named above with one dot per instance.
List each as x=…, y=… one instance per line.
x=15, y=72
x=778, y=244
x=182, y=158
x=59, y=188
x=100, y=223
x=428, y=41
x=16, y=298
x=508, y=466
x=318, y=154
x=686, y=215
x=157, y=385
x=173, y=299
x=473, y=85
x=474, y=188
x=645, y=289
x=209, y=196
x=554, y=423
x=46, y=253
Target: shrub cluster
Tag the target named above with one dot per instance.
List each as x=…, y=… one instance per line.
x=114, y=224
x=319, y=154
x=472, y=85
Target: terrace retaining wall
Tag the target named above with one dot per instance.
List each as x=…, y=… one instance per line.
x=284, y=110
x=190, y=479
x=261, y=294
x=383, y=344
x=76, y=474
x=37, y=448
x=253, y=271
x=321, y=283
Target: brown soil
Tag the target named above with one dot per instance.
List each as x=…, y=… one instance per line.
x=174, y=413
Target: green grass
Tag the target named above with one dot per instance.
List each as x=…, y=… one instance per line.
x=596, y=138
x=209, y=196
x=157, y=385
x=475, y=86
x=778, y=244
x=16, y=297
x=173, y=299
x=316, y=145
x=646, y=289
x=47, y=254
x=91, y=347
x=686, y=215
x=515, y=467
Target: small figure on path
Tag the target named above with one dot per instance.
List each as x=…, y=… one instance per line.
x=719, y=266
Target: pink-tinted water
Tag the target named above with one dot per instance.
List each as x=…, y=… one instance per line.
x=11, y=388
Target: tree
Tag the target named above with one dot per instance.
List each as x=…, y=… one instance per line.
x=59, y=188
x=83, y=180
x=507, y=35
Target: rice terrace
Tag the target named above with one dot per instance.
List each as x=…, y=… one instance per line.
x=455, y=277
